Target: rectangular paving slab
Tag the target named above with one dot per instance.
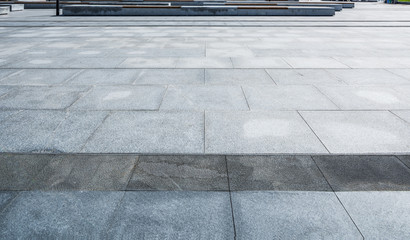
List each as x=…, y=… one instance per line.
x=291, y=215
x=189, y=173
x=280, y=173
x=173, y=215
x=368, y=77
x=170, y=76
x=58, y=215
x=237, y=77
x=364, y=173
x=303, y=76
x=105, y=77
x=39, y=77
x=147, y=132
x=259, y=132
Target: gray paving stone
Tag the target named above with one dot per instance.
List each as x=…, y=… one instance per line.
x=379, y=215
x=286, y=98
x=41, y=97
x=259, y=132
x=121, y=98
x=29, y=131
x=360, y=131
x=375, y=62
x=39, y=62
x=6, y=198
x=4, y=90
x=303, y=76
x=190, y=97
x=405, y=159
x=58, y=215
x=39, y=77
x=368, y=77
x=259, y=62
x=18, y=171
x=281, y=173
x=204, y=62
x=188, y=173
x=405, y=115
x=291, y=215
x=81, y=62
x=86, y=172
x=170, y=76
x=366, y=97
x=364, y=173
x=237, y=76
x=4, y=114
x=105, y=77
x=5, y=72
x=149, y=132
x=149, y=62
x=173, y=215
x=73, y=132
x=314, y=62
x=402, y=72
x=229, y=52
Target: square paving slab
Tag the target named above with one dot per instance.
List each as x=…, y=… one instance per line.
x=291, y=215
x=364, y=173
x=281, y=173
x=379, y=215
x=360, y=131
x=189, y=173
x=259, y=132
x=173, y=215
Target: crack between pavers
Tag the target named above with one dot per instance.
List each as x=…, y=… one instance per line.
x=311, y=129
x=338, y=199
x=270, y=76
x=230, y=199
x=93, y=133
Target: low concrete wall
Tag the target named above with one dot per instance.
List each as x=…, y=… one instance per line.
x=105, y=10
x=4, y=10
x=13, y=7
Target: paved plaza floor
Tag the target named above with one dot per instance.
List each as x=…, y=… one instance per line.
x=205, y=127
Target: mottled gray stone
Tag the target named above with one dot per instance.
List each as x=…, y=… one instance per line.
x=73, y=132
x=259, y=132
x=403, y=72
x=101, y=62
x=57, y=97
x=86, y=172
x=366, y=97
x=4, y=114
x=259, y=62
x=29, y=131
x=105, y=77
x=368, y=77
x=237, y=76
x=364, y=173
x=379, y=215
x=286, y=98
x=4, y=90
x=283, y=173
x=58, y=215
x=204, y=62
x=6, y=198
x=291, y=215
x=302, y=76
x=360, y=131
x=148, y=132
x=314, y=62
x=170, y=76
x=18, y=171
x=122, y=98
x=405, y=159
x=405, y=115
x=173, y=215
x=39, y=77
x=149, y=62
x=192, y=173
x=190, y=97
x=5, y=72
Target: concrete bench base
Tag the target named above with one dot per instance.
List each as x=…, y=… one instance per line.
x=4, y=10
x=132, y=10
x=13, y=7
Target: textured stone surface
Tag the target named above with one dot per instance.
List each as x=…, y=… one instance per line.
x=39, y=77
x=368, y=77
x=291, y=215
x=302, y=76
x=360, y=131
x=237, y=76
x=179, y=173
x=364, y=173
x=282, y=173
x=86, y=172
x=173, y=215
x=379, y=215
x=105, y=77
x=259, y=132
x=148, y=132
x=170, y=76
x=58, y=215
x=18, y=171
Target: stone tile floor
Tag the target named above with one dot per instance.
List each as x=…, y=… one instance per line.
x=206, y=85
x=204, y=197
